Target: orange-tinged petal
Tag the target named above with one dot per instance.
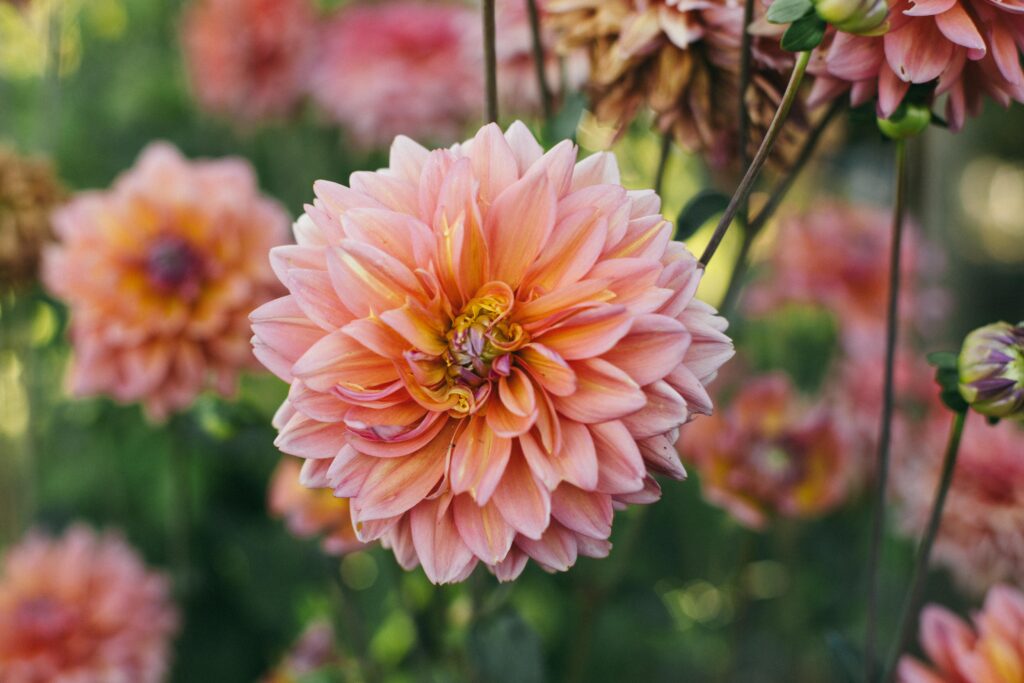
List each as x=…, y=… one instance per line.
x=576, y=461
x=443, y=554
x=522, y=499
x=478, y=460
x=584, y=512
x=655, y=346
x=483, y=529
x=367, y=280
x=516, y=393
x=604, y=393
x=340, y=359
x=550, y=370
x=620, y=465
x=589, y=333
x=418, y=327
x=517, y=227
x=494, y=163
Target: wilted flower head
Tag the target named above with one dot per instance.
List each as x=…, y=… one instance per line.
x=969, y=48
x=29, y=190
x=767, y=454
x=311, y=512
x=517, y=74
x=402, y=66
x=991, y=650
x=160, y=272
x=82, y=607
x=981, y=539
x=992, y=370
x=249, y=59
x=489, y=348
x=682, y=59
x=315, y=651
x=833, y=256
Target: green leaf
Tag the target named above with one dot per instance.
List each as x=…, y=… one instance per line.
x=788, y=11
x=942, y=359
x=698, y=210
x=804, y=34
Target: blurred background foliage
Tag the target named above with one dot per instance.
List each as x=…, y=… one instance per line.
x=687, y=593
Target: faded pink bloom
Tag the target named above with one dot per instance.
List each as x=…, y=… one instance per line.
x=401, y=66
x=82, y=608
x=248, y=59
x=311, y=512
x=160, y=272
x=768, y=454
x=489, y=349
x=517, y=73
x=989, y=650
x=981, y=539
x=315, y=651
x=834, y=256
x=970, y=47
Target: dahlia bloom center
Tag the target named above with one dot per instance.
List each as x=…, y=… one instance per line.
x=174, y=266
x=40, y=620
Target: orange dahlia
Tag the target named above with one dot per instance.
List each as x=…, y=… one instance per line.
x=82, y=607
x=490, y=348
x=160, y=272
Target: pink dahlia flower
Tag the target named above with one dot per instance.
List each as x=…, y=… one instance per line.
x=971, y=48
x=160, y=272
x=314, y=652
x=767, y=455
x=249, y=58
x=832, y=256
x=311, y=512
x=400, y=67
x=80, y=608
x=490, y=348
x=981, y=539
x=991, y=650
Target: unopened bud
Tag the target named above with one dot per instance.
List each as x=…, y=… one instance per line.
x=862, y=17
x=907, y=121
x=992, y=370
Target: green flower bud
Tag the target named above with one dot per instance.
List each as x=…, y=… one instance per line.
x=992, y=370
x=862, y=17
x=907, y=121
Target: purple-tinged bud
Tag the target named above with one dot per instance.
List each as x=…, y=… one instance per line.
x=991, y=367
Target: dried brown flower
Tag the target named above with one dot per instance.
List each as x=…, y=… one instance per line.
x=29, y=191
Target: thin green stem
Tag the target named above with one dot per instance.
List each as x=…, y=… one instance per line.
x=885, y=430
x=924, y=551
x=547, y=101
x=659, y=174
x=180, y=513
x=490, y=61
x=779, y=193
x=747, y=184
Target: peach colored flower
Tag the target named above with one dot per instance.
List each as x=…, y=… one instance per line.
x=249, y=59
x=517, y=73
x=989, y=650
x=833, y=256
x=981, y=539
x=311, y=512
x=489, y=348
x=401, y=66
x=160, y=272
x=768, y=455
x=969, y=48
x=682, y=59
x=82, y=607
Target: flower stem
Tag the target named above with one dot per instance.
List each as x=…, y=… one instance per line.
x=490, y=61
x=537, y=43
x=752, y=230
x=180, y=512
x=924, y=551
x=659, y=174
x=885, y=430
x=739, y=197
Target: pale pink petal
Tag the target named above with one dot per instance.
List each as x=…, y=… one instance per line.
x=478, y=460
x=483, y=529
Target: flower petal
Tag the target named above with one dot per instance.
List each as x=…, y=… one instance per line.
x=522, y=499
x=478, y=460
x=483, y=529
x=604, y=393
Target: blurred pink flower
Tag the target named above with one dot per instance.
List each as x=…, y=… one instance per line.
x=160, y=272
x=490, y=348
x=401, y=66
x=82, y=607
x=311, y=512
x=834, y=256
x=971, y=47
x=981, y=539
x=314, y=652
x=517, y=73
x=249, y=59
x=767, y=454
x=991, y=650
